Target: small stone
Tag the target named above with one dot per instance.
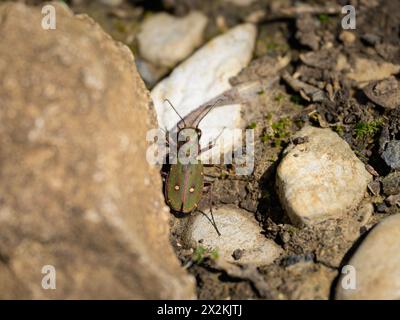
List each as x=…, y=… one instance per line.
x=150, y=73
x=237, y=254
x=322, y=59
x=391, y=183
x=376, y=265
x=307, y=28
x=240, y=3
x=238, y=230
x=391, y=155
x=371, y=39
x=166, y=40
x=381, y=207
x=294, y=259
x=376, y=70
x=325, y=180
x=374, y=187
x=371, y=170
x=255, y=16
x=393, y=200
x=300, y=140
x=365, y=212
x=347, y=37
x=341, y=63
x=385, y=93
x=285, y=237
x=202, y=77
x=112, y=3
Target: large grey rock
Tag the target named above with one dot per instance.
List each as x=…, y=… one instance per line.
x=239, y=232
x=76, y=191
x=321, y=178
x=166, y=40
x=376, y=264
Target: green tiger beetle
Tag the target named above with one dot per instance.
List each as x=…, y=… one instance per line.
x=184, y=183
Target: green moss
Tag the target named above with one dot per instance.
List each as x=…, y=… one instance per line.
x=214, y=254
x=133, y=48
x=280, y=132
x=223, y=175
x=324, y=18
x=201, y=253
x=272, y=46
x=295, y=98
x=368, y=129
x=339, y=130
x=120, y=26
x=270, y=43
x=292, y=230
x=252, y=125
x=265, y=195
x=279, y=97
x=273, y=158
x=281, y=126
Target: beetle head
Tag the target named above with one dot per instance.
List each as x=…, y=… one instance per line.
x=189, y=134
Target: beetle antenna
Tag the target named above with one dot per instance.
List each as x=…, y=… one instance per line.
x=175, y=111
x=212, y=107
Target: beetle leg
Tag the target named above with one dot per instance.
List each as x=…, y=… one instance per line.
x=211, y=211
x=208, y=187
x=212, y=221
x=221, y=167
x=209, y=147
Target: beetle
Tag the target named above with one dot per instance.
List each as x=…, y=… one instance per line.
x=185, y=182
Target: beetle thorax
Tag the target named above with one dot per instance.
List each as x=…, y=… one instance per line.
x=188, y=144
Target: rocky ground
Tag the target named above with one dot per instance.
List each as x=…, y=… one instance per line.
x=325, y=190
